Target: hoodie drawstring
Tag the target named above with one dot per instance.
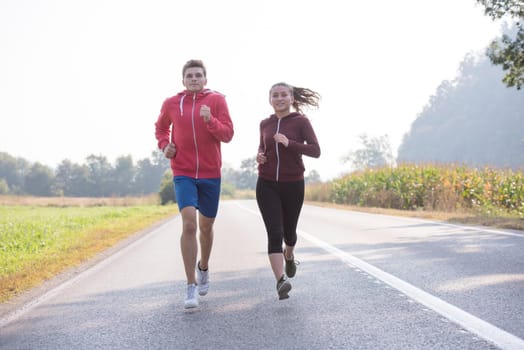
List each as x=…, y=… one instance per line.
x=181, y=106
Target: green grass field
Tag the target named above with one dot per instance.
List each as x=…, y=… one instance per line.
x=38, y=242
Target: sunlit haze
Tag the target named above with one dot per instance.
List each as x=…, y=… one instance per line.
x=89, y=77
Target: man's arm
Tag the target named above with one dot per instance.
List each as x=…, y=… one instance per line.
x=163, y=128
x=221, y=125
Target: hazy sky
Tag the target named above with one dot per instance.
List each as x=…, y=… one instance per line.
x=89, y=77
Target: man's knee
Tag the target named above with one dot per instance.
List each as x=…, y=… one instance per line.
x=189, y=228
x=189, y=224
x=206, y=225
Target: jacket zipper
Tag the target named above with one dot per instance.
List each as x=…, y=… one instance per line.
x=194, y=135
x=276, y=146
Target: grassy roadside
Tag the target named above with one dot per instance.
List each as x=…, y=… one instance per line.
x=39, y=241
x=466, y=217
x=463, y=217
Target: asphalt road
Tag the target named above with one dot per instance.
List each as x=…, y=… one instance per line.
x=364, y=282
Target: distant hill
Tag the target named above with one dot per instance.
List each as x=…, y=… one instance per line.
x=473, y=120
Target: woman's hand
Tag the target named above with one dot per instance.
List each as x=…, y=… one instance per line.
x=281, y=138
x=261, y=158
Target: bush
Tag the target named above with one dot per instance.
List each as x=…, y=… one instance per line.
x=318, y=192
x=167, y=189
x=227, y=189
x=4, y=187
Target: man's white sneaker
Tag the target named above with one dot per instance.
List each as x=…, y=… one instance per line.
x=192, y=297
x=202, y=280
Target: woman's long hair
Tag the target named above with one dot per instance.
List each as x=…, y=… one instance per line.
x=302, y=97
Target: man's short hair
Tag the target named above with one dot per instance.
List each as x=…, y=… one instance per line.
x=192, y=64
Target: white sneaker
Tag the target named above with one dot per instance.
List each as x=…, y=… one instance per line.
x=202, y=280
x=192, y=297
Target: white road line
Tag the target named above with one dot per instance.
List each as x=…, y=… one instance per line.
x=481, y=328
x=473, y=324
x=447, y=224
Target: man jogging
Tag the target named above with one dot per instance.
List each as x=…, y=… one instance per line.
x=189, y=130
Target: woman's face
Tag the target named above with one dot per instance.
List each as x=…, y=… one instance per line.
x=280, y=98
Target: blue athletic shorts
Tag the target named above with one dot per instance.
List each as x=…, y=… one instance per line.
x=203, y=194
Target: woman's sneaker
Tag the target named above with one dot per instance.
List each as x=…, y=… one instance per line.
x=192, y=297
x=291, y=266
x=283, y=288
x=202, y=280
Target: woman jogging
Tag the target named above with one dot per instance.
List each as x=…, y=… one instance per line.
x=284, y=137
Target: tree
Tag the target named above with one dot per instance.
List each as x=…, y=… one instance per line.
x=4, y=188
x=63, y=175
x=247, y=178
x=13, y=171
x=81, y=183
x=149, y=173
x=473, y=120
x=143, y=180
x=167, y=189
x=312, y=177
x=100, y=171
x=506, y=51
x=376, y=152
x=38, y=180
x=123, y=176
x=72, y=180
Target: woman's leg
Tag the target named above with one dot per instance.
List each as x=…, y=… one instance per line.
x=292, y=201
x=268, y=201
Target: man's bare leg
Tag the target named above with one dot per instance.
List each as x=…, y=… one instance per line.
x=206, y=239
x=188, y=242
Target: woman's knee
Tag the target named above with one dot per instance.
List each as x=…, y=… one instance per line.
x=274, y=245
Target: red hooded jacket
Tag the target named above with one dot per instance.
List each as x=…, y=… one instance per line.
x=285, y=163
x=198, y=153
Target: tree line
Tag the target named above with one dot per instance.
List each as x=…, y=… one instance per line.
x=472, y=120
x=98, y=177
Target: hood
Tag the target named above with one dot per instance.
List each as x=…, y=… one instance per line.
x=290, y=115
x=182, y=95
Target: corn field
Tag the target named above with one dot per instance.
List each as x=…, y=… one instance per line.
x=432, y=187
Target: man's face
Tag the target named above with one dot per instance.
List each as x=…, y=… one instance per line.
x=194, y=79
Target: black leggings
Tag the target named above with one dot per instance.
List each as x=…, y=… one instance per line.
x=280, y=204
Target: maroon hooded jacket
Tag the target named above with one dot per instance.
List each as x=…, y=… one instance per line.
x=285, y=163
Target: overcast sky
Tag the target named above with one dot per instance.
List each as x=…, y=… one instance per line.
x=89, y=77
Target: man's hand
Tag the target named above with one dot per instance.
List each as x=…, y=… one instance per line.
x=170, y=150
x=205, y=113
